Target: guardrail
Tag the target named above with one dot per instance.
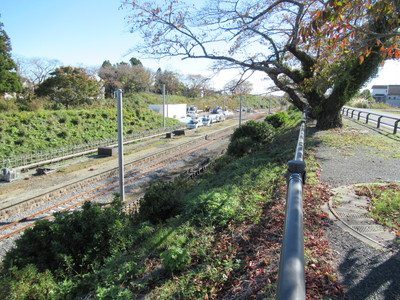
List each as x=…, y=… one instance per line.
x=291, y=276
x=380, y=120
x=76, y=150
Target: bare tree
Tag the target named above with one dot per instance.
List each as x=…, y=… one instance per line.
x=36, y=69
x=273, y=36
x=236, y=87
x=197, y=86
x=130, y=78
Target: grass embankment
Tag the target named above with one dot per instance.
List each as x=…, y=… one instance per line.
x=223, y=241
x=26, y=132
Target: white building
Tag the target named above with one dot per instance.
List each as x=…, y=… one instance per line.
x=389, y=94
x=176, y=111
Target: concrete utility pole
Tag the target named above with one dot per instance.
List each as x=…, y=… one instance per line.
x=163, y=108
x=240, y=111
x=120, y=145
x=269, y=106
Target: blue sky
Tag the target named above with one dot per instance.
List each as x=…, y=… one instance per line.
x=77, y=33
x=87, y=32
x=72, y=31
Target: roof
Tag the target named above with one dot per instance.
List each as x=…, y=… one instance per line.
x=391, y=89
x=379, y=87
x=394, y=90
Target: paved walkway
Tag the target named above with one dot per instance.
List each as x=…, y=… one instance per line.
x=346, y=164
x=366, y=260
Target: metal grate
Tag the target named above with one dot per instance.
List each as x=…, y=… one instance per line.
x=367, y=228
x=352, y=215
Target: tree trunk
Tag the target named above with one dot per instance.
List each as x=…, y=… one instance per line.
x=329, y=118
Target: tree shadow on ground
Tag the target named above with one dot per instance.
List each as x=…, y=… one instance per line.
x=376, y=274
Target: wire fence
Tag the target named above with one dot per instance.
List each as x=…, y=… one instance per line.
x=74, y=150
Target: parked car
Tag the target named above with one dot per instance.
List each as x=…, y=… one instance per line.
x=217, y=110
x=206, y=121
x=194, y=124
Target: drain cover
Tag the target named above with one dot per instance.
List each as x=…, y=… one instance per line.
x=352, y=215
x=367, y=228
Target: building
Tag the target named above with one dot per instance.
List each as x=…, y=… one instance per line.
x=176, y=111
x=389, y=94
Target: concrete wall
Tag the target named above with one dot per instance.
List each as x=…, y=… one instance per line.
x=393, y=102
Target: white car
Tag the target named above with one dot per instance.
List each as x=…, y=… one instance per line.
x=194, y=123
x=206, y=121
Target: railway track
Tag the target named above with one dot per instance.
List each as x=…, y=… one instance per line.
x=102, y=191
x=101, y=188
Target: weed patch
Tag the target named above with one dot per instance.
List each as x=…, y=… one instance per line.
x=384, y=203
x=346, y=140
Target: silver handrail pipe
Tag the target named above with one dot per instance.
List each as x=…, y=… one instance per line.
x=291, y=275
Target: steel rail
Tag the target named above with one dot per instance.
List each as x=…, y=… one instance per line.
x=291, y=275
x=153, y=167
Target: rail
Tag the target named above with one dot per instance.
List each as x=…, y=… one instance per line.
x=49, y=156
x=369, y=117
x=291, y=275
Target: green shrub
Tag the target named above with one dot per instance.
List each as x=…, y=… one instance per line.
x=176, y=259
x=73, y=242
x=162, y=201
x=27, y=283
x=277, y=120
x=113, y=292
x=7, y=105
x=249, y=136
x=62, y=134
x=240, y=146
x=257, y=131
x=76, y=120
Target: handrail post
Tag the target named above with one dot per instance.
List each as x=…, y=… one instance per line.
x=366, y=120
x=379, y=122
x=396, y=124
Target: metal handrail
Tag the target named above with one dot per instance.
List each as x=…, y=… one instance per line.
x=291, y=275
x=345, y=111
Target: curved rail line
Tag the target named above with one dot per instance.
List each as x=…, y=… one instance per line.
x=110, y=186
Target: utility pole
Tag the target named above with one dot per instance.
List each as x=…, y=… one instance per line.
x=240, y=111
x=120, y=146
x=163, y=109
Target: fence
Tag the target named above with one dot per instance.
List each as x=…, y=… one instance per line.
x=76, y=150
x=291, y=276
x=380, y=120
